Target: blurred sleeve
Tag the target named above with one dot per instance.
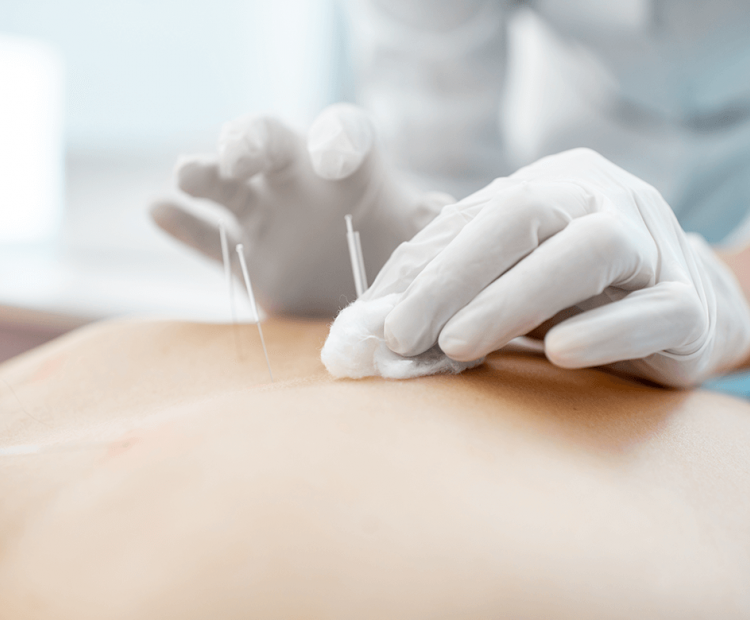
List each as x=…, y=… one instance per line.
x=432, y=73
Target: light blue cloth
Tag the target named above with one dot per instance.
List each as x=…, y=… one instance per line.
x=736, y=384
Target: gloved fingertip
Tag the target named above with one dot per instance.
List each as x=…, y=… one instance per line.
x=399, y=331
x=334, y=165
x=242, y=155
x=241, y=165
x=191, y=171
x=192, y=162
x=563, y=349
x=406, y=331
x=160, y=209
x=165, y=215
x=391, y=338
x=457, y=347
x=339, y=140
x=183, y=164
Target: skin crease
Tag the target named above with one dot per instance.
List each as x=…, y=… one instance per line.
x=177, y=484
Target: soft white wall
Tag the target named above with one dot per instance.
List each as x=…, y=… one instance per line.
x=31, y=150
x=166, y=73
x=146, y=80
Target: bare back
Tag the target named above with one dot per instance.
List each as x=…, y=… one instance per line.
x=151, y=470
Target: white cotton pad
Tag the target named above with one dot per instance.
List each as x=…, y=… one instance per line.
x=356, y=347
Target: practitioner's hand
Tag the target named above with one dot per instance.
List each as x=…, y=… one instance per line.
x=577, y=244
x=288, y=194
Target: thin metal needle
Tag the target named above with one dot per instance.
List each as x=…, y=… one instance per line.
x=230, y=285
x=355, y=256
x=253, y=304
x=361, y=260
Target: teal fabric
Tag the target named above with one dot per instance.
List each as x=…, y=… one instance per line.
x=736, y=384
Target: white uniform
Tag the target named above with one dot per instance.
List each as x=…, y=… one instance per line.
x=468, y=91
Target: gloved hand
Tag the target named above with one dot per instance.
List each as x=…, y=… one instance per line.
x=578, y=244
x=287, y=197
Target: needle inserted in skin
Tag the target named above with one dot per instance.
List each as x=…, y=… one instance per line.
x=253, y=305
x=356, y=258
x=229, y=280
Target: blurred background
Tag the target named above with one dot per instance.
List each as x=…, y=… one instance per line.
x=97, y=99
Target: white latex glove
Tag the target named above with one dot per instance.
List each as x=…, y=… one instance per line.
x=571, y=234
x=288, y=196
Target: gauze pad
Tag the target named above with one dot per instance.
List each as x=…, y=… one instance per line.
x=356, y=347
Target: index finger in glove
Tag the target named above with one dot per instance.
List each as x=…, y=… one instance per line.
x=199, y=176
x=340, y=140
x=510, y=227
x=411, y=257
x=192, y=229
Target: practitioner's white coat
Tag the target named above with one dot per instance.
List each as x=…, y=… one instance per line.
x=467, y=91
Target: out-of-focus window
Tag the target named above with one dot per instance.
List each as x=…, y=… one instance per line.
x=142, y=81
x=161, y=73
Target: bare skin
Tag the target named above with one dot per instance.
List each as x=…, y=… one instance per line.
x=149, y=472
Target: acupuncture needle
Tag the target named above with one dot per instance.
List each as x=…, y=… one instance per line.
x=230, y=286
x=253, y=305
x=355, y=256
